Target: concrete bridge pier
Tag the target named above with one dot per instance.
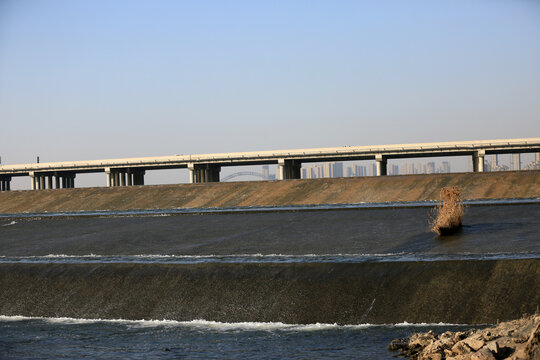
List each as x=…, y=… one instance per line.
x=37, y=181
x=32, y=180
x=138, y=177
x=68, y=180
x=109, y=178
x=5, y=183
x=381, y=165
x=478, y=161
x=289, y=169
x=203, y=173
x=124, y=177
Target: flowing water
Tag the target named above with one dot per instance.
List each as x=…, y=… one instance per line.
x=273, y=238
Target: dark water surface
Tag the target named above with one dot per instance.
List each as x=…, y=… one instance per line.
x=488, y=229
x=356, y=233
x=28, y=338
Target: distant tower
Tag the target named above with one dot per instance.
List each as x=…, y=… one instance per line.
x=445, y=167
x=328, y=170
x=337, y=170
x=516, y=161
x=266, y=172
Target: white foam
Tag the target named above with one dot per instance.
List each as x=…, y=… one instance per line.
x=11, y=223
x=211, y=256
x=67, y=256
x=217, y=326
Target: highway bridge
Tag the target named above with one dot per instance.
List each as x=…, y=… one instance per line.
x=206, y=167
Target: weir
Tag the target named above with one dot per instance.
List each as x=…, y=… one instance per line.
x=470, y=292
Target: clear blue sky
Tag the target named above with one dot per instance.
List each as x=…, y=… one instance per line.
x=102, y=79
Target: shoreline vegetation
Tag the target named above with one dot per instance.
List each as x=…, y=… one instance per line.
x=513, y=340
x=448, y=215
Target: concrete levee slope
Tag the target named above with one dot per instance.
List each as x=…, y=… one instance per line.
x=472, y=292
x=522, y=184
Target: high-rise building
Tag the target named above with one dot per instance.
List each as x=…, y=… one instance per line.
x=516, y=162
x=328, y=170
x=266, y=172
x=360, y=170
x=445, y=167
x=337, y=169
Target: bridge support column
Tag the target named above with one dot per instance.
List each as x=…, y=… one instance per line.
x=5, y=183
x=289, y=169
x=517, y=161
x=124, y=177
x=138, y=177
x=478, y=161
x=108, y=183
x=381, y=165
x=32, y=180
x=50, y=182
x=68, y=180
x=203, y=173
x=57, y=183
x=537, y=157
x=41, y=182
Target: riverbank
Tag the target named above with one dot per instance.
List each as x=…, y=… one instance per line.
x=496, y=185
x=515, y=340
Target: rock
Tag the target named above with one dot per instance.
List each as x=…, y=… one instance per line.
x=483, y=354
x=532, y=349
x=515, y=340
x=520, y=354
x=435, y=356
x=460, y=348
x=474, y=343
x=494, y=347
x=458, y=357
x=422, y=340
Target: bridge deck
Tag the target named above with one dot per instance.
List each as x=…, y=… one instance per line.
x=205, y=167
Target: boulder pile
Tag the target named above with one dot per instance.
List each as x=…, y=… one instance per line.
x=514, y=340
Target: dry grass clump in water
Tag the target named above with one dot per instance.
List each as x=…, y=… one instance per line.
x=448, y=214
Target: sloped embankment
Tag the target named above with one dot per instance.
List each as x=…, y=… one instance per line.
x=470, y=292
x=522, y=184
